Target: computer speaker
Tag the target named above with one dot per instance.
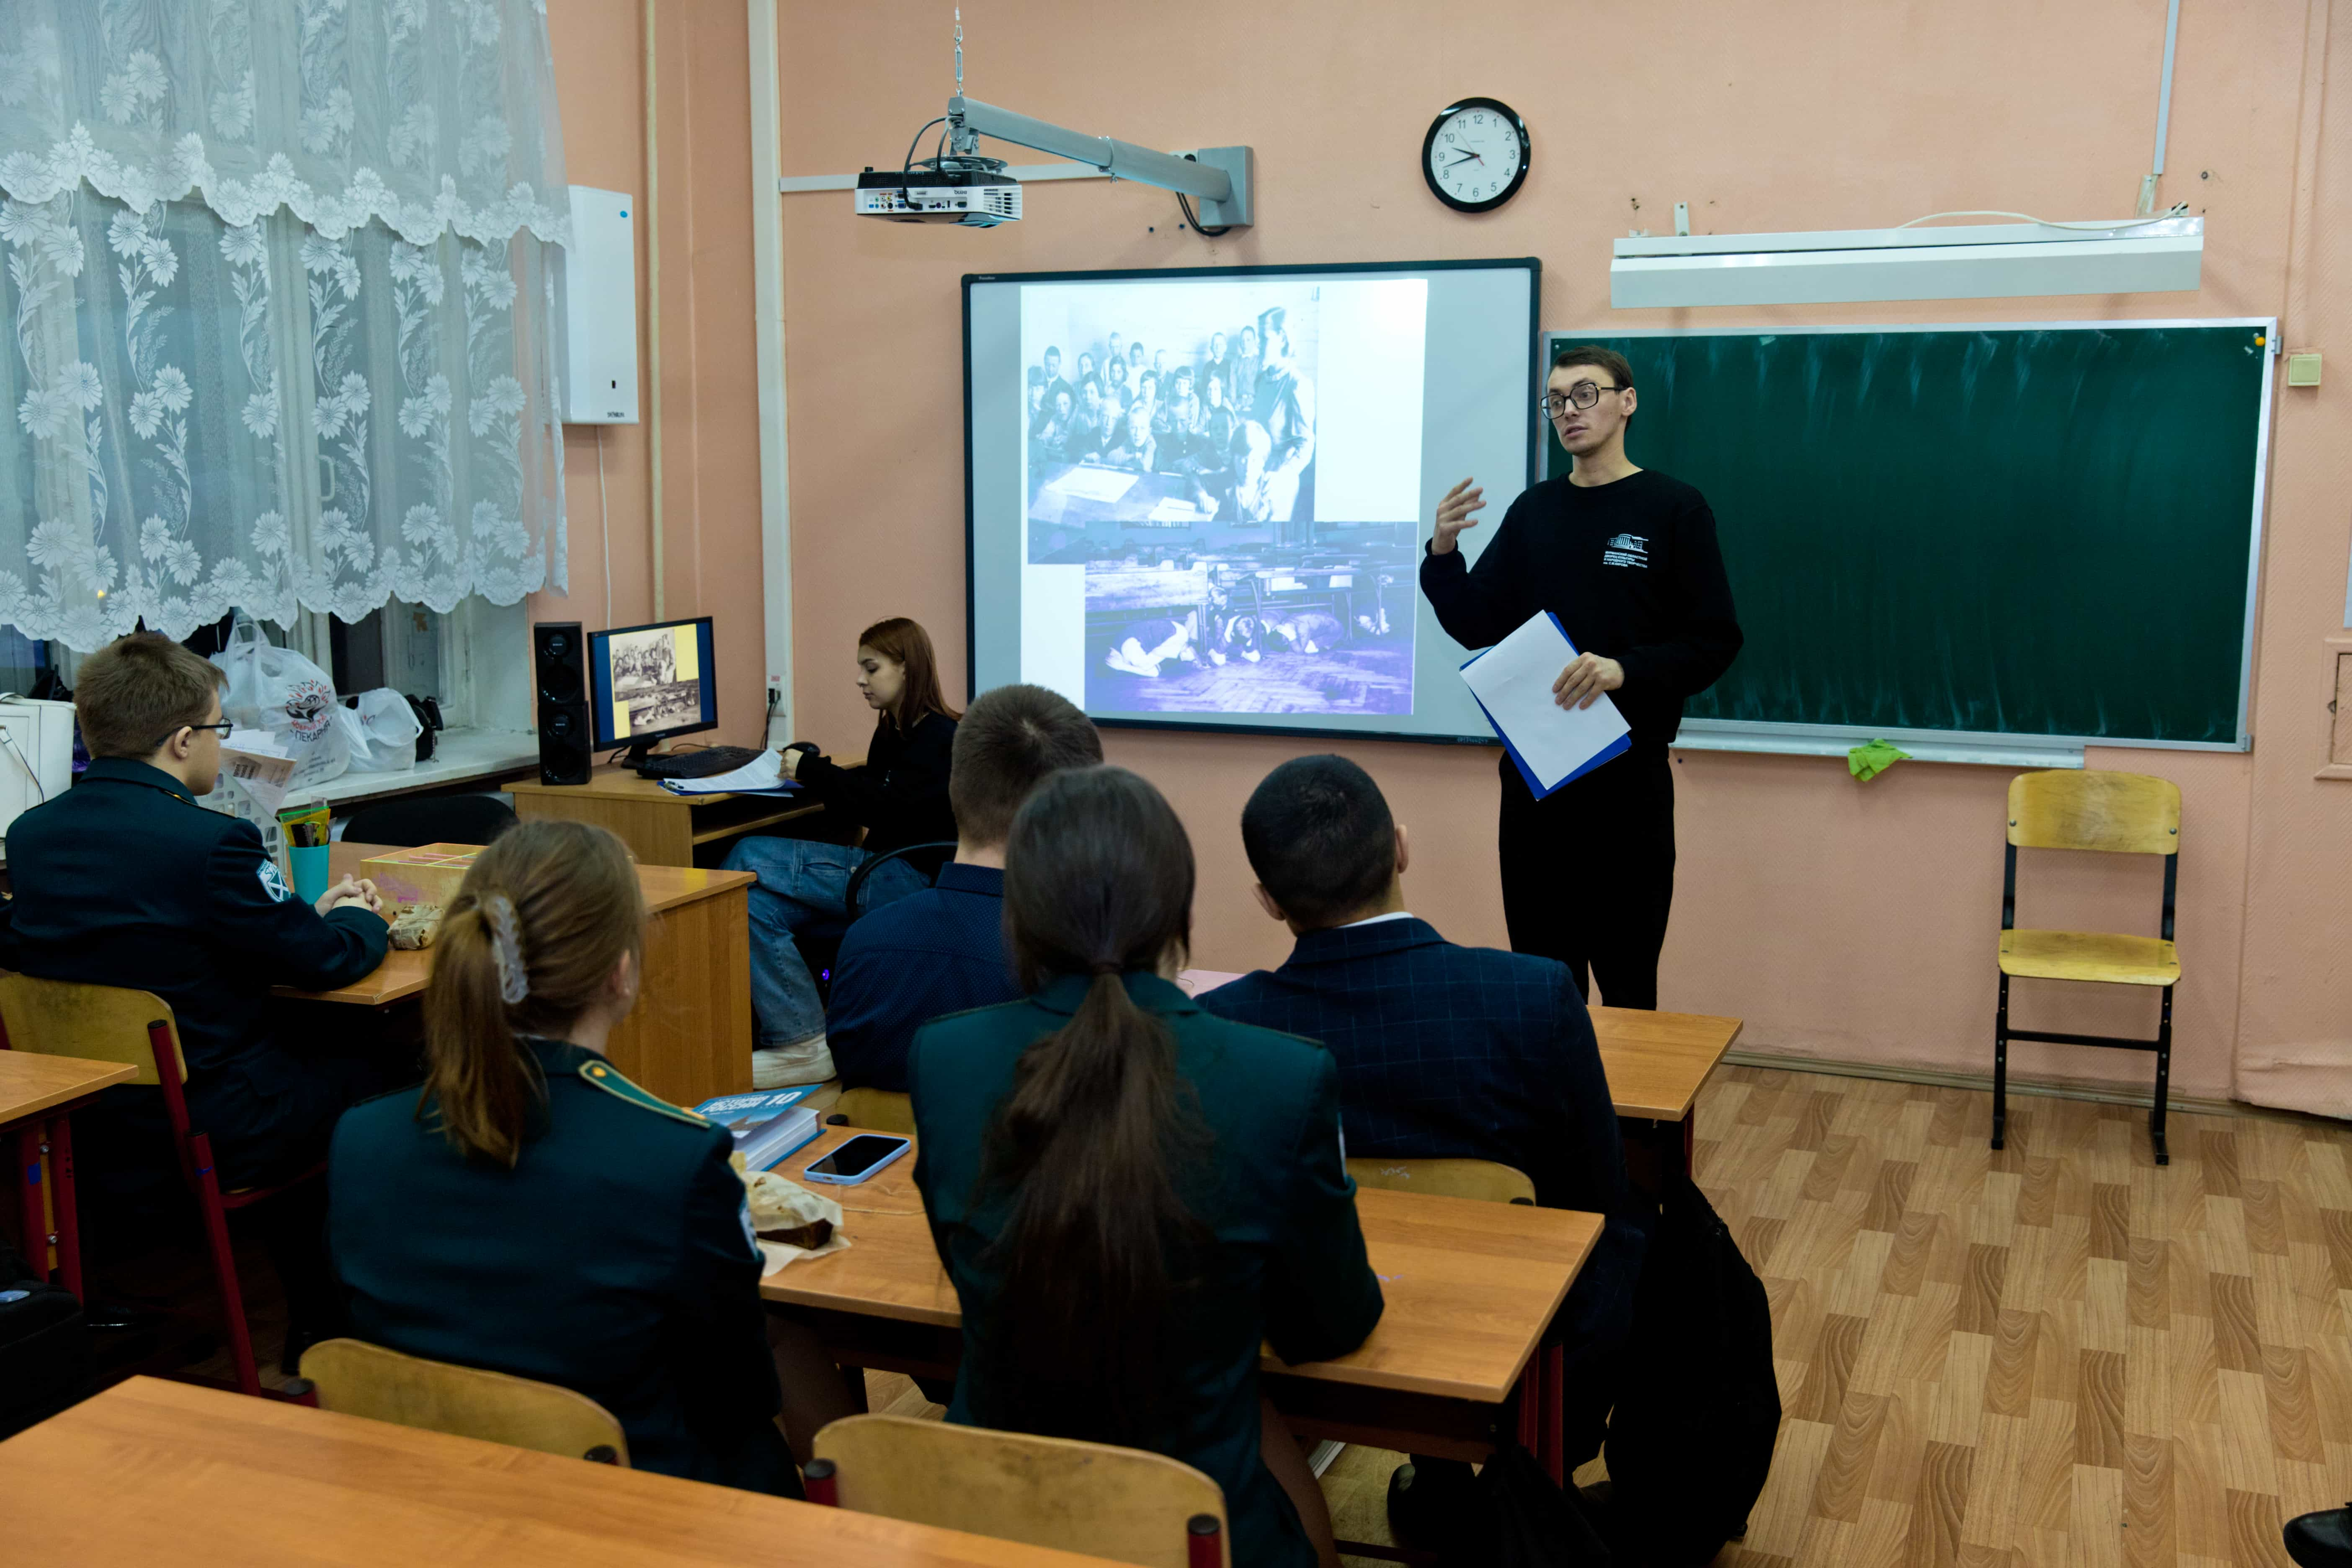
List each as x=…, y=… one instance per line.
x=559, y=657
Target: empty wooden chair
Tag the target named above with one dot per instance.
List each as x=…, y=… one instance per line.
x=1484, y=1180
x=1121, y=1503
x=2110, y=813
x=108, y=1023
x=356, y=1378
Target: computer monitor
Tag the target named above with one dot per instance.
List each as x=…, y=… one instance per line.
x=648, y=683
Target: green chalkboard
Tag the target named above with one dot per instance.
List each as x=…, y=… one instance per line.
x=2037, y=532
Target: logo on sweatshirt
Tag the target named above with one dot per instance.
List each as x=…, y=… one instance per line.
x=1626, y=550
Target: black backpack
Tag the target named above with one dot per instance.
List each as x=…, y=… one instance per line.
x=1523, y=1520
x=45, y=1359
x=1691, y=1440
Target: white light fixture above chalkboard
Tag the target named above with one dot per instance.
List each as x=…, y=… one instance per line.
x=1979, y=261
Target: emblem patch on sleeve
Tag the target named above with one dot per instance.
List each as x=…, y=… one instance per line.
x=751, y=1233
x=273, y=881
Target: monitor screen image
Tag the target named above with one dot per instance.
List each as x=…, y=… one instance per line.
x=650, y=682
x=1196, y=498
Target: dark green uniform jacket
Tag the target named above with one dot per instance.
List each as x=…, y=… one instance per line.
x=125, y=880
x=1286, y=1265
x=616, y=1259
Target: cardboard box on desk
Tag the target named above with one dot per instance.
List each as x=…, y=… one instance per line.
x=429, y=874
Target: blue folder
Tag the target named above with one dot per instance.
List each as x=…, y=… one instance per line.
x=1616, y=749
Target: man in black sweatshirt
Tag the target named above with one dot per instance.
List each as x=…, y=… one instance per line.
x=1627, y=559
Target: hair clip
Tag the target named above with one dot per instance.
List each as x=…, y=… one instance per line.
x=505, y=945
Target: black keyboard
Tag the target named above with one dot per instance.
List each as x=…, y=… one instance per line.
x=701, y=764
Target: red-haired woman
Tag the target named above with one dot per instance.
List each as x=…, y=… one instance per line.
x=900, y=797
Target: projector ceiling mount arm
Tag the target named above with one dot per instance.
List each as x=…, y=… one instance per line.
x=1219, y=178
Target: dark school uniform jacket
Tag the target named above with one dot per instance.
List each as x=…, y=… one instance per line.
x=900, y=794
x=1632, y=571
x=1286, y=1264
x=616, y=1259
x=1465, y=1053
x=125, y=880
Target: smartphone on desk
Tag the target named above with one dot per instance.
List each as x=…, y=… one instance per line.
x=857, y=1160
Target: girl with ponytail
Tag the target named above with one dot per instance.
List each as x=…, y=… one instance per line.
x=536, y=1213
x=1129, y=1195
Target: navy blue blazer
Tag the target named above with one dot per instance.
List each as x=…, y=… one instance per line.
x=1451, y=1052
x=915, y=959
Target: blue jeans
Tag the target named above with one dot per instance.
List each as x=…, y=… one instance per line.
x=802, y=892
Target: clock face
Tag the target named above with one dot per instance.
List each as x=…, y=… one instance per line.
x=1475, y=155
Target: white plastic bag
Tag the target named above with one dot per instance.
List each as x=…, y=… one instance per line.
x=380, y=732
x=278, y=689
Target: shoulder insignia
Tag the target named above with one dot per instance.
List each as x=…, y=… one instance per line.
x=273, y=881
x=603, y=1076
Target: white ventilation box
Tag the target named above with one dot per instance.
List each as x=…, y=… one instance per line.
x=600, y=310
x=36, y=754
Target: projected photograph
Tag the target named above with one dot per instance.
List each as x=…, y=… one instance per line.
x=1180, y=415
x=655, y=679
x=1329, y=635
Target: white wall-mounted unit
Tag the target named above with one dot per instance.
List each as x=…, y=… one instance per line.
x=600, y=310
x=1983, y=261
x=36, y=754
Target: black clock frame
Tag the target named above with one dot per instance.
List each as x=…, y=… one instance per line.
x=1527, y=153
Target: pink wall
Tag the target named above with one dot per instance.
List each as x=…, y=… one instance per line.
x=1839, y=919
x=710, y=451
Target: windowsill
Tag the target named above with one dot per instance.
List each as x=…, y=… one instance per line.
x=462, y=756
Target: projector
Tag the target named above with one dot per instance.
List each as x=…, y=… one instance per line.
x=974, y=192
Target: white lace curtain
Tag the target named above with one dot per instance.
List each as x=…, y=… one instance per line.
x=280, y=276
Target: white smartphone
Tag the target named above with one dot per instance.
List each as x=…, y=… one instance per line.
x=857, y=1160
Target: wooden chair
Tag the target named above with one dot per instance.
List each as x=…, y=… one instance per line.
x=2116, y=813
x=1481, y=1179
x=107, y=1023
x=1121, y=1503
x=356, y=1378
x=877, y=1109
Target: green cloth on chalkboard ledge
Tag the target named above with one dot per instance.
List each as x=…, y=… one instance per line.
x=1867, y=761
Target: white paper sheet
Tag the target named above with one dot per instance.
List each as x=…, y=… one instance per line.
x=1171, y=510
x=1095, y=484
x=765, y=770
x=1513, y=679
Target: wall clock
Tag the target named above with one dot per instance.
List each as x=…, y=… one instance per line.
x=1476, y=154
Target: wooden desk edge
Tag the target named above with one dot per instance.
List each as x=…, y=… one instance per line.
x=104, y=1076
x=1662, y=1112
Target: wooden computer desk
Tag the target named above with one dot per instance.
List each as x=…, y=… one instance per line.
x=1470, y=1288
x=689, y=1036
x=152, y=1472
x=38, y=1097
x=659, y=828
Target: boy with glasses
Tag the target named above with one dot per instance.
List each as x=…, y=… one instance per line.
x=125, y=880
x=1627, y=559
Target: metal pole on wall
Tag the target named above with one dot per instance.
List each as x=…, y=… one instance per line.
x=652, y=317
x=767, y=303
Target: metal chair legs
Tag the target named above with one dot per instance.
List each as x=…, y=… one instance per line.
x=2163, y=1080
x=2000, y=1068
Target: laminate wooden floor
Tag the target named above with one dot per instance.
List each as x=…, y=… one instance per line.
x=2058, y=1353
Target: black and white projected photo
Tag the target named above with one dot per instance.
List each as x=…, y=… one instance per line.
x=1240, y=534
x=1237, y=637
x=1196, y=498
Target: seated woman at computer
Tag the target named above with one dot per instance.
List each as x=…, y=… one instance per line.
x=900, y=797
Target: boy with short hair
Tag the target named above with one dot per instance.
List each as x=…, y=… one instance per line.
x=942, y=949
x=125, y=880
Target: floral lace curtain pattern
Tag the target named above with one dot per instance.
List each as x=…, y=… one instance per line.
x=280, y=280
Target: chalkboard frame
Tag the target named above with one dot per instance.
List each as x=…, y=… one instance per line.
x=1961, y=745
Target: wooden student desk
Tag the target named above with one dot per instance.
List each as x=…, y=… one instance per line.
x=660, y=829
x=1470, y=1288
x=37, y=1096
x=152, y=1472
x=689, y=1036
